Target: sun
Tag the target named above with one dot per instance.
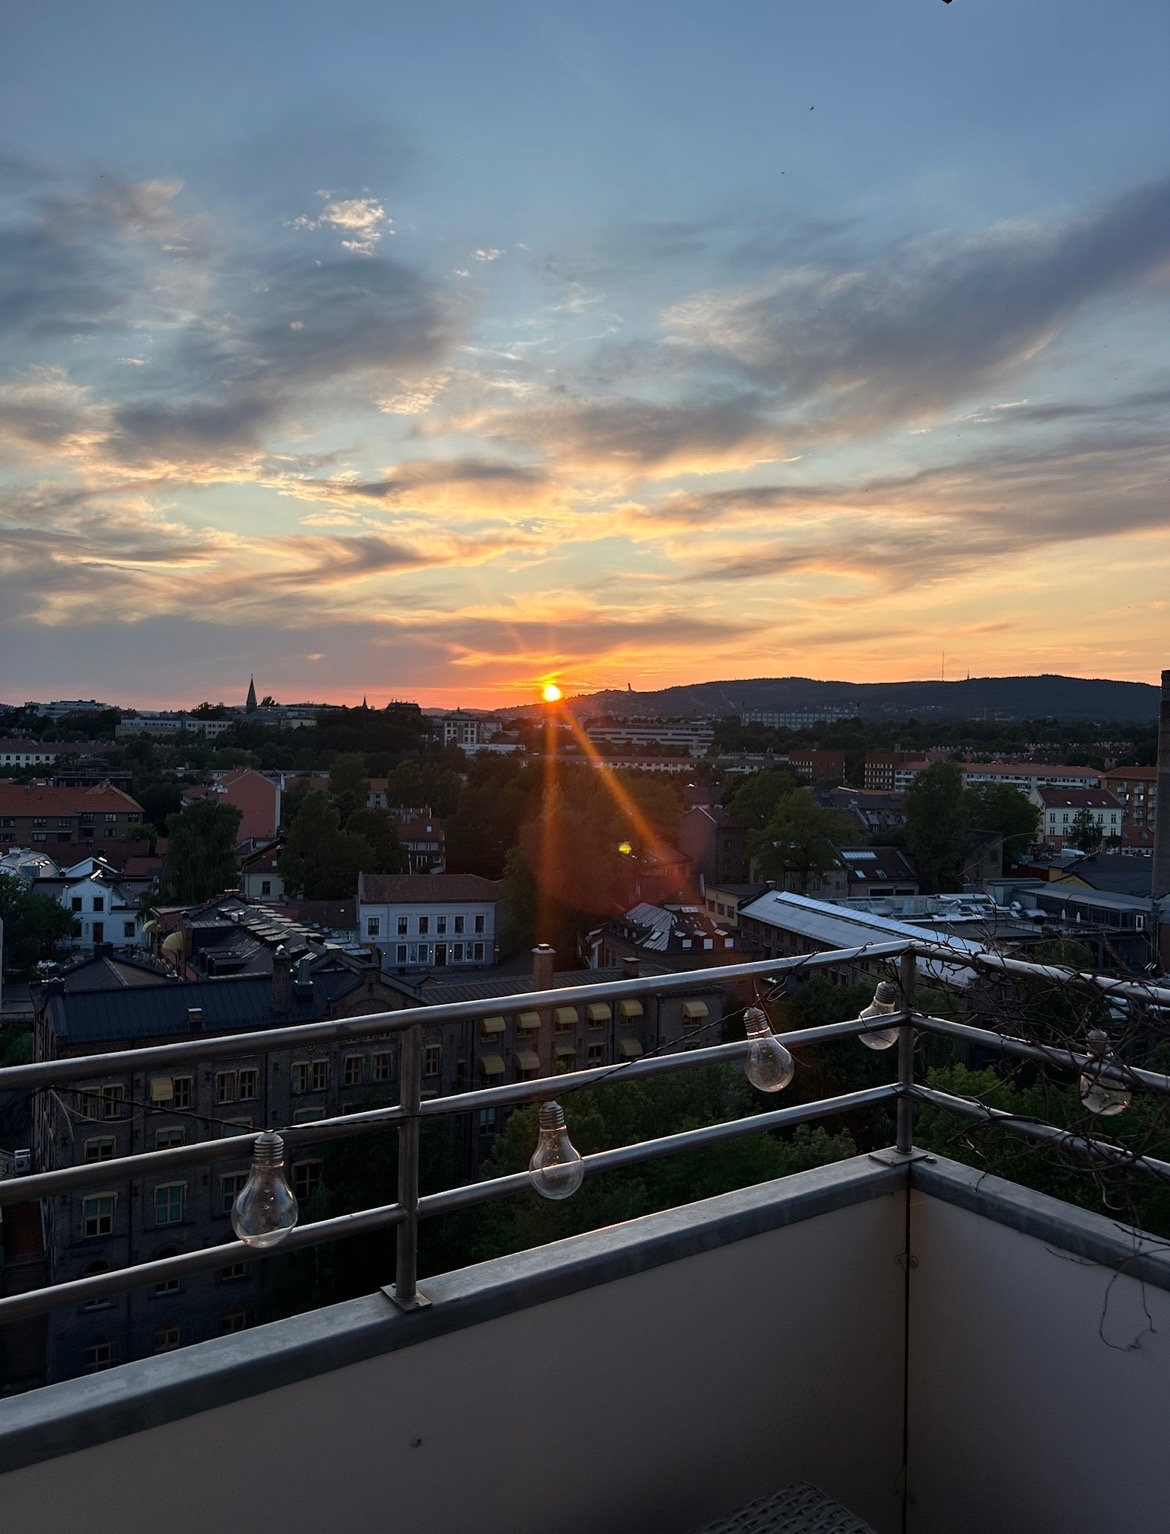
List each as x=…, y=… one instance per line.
x=551, y=693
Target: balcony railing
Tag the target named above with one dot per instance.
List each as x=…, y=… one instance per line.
x=410, y=1112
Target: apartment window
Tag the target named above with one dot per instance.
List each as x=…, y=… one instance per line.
x=300, y=1076
x=40, y=836
x=373, y=926
x=99, y=931
x=458, y=925
x=232, y=1271
x=432, y=1059
x=487, y=1121
x=480, y=923
x=234, y=1320
x=97, y=1214
x=230, y=1184
x=319, y=1075
x=441, y=926
x=402, y=926
x=98, y=1355
x=266, y=886
x=168, y=1203
x=307, y=1115
x=181, y=1097
x=477, y=954
x=111, y=1098
x=168, y=1285
x=103, y=1302
x=595, y=1054
x=457, y=953
x=165, y=1139
x=75, y=903
x=168, y=1337
x=111, y=820
x=424, y=925
x=235, y=1127
x=40, y=822
x=127, y=929
x=400, y=955
x=382, y=1067
x=225, y=1086
x=99, y=902
x=101, y=1148
x=352, y=1070
x=306, y=1179
x=247, y=1083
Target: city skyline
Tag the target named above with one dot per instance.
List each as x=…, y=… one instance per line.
x=442, y=356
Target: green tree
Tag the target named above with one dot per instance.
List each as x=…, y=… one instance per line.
x=378, y=831
x=1005, y=810
x=753, y=799
x=200, y=859
x=32, y=924
x=319, y=860
x=1085, y=833
x=798, y=837
x=349, y=787
x=937, y=824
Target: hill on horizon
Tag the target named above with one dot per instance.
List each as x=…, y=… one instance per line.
x=1006, y=697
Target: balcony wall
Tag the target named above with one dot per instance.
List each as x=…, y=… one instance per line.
x=648, y=1377
x=1039, y=1364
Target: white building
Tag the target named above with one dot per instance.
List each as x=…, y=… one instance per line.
x=102, y=911
x=696, y=736
x=1059, y=808
x=1027, y=776
x=428, y=921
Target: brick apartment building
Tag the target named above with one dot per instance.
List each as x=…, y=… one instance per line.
x=36, y=815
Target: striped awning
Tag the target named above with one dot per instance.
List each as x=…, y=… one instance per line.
x=600, y=1011
x=629, y=1049
x=694, y=1009
x=491, y=1025
x=630, y=1007
x=528, y=1020
x=492, y=1065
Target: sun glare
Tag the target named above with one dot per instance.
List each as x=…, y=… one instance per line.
x=552, y=693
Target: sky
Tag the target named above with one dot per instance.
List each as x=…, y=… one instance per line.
x=440, y=351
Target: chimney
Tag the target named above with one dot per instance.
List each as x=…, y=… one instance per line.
x=543, y=959
x=304, y=973
x=629, y=966
x=281, y=981
x=195, y=1018
x=1161, y=874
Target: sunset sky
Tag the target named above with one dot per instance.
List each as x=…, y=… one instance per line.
x=438, y=351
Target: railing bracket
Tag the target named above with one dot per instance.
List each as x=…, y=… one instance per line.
x=416, y=1302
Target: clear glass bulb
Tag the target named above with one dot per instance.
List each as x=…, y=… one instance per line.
x=768, y=1066
x=885, y=1000
x=1101, y=1094
x=557, y=1170
x=265, y=1209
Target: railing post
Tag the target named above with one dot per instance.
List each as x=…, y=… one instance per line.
x=907, y=974
x=404, y=1290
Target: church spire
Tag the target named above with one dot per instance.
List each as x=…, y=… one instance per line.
x=250, y=705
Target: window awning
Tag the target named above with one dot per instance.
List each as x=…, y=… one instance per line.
x=567, y=1016
x=566, y=1052
x=629, y=1049
x=491, y=1025
x=492, y=1065
x=694, y=1009
x=600, y=1011
x=528, y=1020
x=526, y=1060
x=630, y=1008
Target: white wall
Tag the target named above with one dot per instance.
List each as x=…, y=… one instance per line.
x=1024, y=1417
x=646, y=1405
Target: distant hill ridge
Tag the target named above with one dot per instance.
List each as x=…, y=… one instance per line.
x=992, y=697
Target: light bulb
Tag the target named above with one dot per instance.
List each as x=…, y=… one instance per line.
x=1100, y=1094
x=265, y=1209
x=557, y=1170
x=769, y=1066
x=885, y=1000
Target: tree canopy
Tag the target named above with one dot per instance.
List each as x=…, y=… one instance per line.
x=33, y=924
x=200, y=858
x=798, y=837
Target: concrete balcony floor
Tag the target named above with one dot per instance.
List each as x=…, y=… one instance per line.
x=656, y=1374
